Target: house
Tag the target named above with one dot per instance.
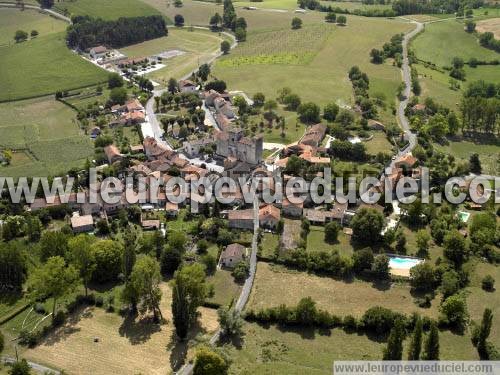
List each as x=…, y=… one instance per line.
x=406, y=161
x=317, y=217
x=314, y=135
x=150, y=224
x=292, y=209
x=185, y=85
x=59, y=200
x=137, y=149
x=269, y=217
x=232, y=255
x=233, y=143
x=241, y=219
x=154, y=149
x=376, y=125
x=193, y=147
x=134, y=105
x=98, y=52
x=224, y=107
x=112, y=153
x=82, y=224
x=172, y=209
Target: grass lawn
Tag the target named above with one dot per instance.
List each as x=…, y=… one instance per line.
x=125, y=346
x=109, y=9
x=47, y=135
x=275, y=285
x=379, y=143
x=442, y=41
x=226, y=289
x=297, y=351
x=12, y=20
x=199, y=46
x=316, y=242
x=268, y=244
x=180, y=225
x=319, y=71
x=34, y=68
x=293, y=131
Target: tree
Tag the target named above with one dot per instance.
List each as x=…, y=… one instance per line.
x=422, y=276
x=114, y=80
x=215, y=20
x=145, y=281
x=380, y=266
x=309, y=112
x=455, y=247
x=450, y=283
x=342, y=20
x=331, y=232
x=54, y=280
x=488, y=283
x=225, y=47
x=259, y=99
x=20, y=36
x=228, y=14
x=330, y=112
x=20, y=367
x=484, y=333
x=217, y=85
x=431, y=345
x=240, y=34
x=172, y=86
x=34, y=34
x=296, y=23
x=53, y=243
x=208, y=362
x=34, y=228
x=118, y=95
x=330, y=17
x=475, y=164
x=470, y=26
x=188, y=293
x=416, y=341
x=210, y=263
x=179, y=20
x=240, y=102
x=423, y=237
x=230, y=322
x=129, y=252
x=204, y=72
x=362, y=259
x=82, y=257
x=377, y=56
x=240, y=271
x=292, y=101
x=367, y=226
x=454, y=311
x=13, y=266
x=108, y=260
x=172, y=256
x=394, y=349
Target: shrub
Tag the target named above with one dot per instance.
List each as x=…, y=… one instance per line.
x=488, y=283
x=39, y=308
x=59, y=318
x=350, y=323
x=379, y=319
x=99, y=301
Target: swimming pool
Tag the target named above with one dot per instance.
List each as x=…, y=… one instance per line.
x=403, y=263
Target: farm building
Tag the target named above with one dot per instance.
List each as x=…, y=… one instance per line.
x=232, y=255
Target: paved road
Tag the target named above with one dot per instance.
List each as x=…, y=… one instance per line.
x=35, y=366
x=26, y=6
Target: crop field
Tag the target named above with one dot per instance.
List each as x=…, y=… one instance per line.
x=324, y=78
x=12, y=20
x=125, y=346
x=441, y=41
x=491, y=25
x=275, y=285
x=281, y=350
x=109, y=9
x=46, y=134
x=199, y=46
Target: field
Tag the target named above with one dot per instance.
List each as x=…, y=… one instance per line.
x=199, y=46
x=47, y=135
x=125, y=346
x=316, y=242
x=12, y=20
x=275, y=285
x=378, y=143
x=491, y=25
x=277, y=350
x=441, y=41
x=225, y=288
x=319, y=72
x=109, y=9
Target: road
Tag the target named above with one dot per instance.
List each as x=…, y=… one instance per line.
x=48, y=11
x=35, y=366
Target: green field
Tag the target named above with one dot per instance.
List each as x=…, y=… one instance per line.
x=441, y=41
x=46, y=135
x=321, y=77
x=199, y=46
x=316, y=242
x=352, y=5
x=12, y=20
x=108, y=9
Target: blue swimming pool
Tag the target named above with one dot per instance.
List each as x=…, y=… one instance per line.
x=403, y=263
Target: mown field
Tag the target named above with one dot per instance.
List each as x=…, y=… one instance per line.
x=12, y=20
x=199, y=46
x=319, y=71
x=46, y=135
x=441, y=41
x=109, y=9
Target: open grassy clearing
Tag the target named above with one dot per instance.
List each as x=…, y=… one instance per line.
x=316, y=242
x=441, y=41
x=46, y=134
x=491, y=25
x=275, y=285
x=324, y=79
x=125, y=346
x=379, y=143
x=225, y=288
x=268, y=244
x=12, y=20
x=277, y=350
x=109, y=9
x=34, y=68
x=199, y=46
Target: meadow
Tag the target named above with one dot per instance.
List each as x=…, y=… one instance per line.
x=109, y=9
x=12, y=20
x=46, y=134
x=316, y=242
x=441, y=41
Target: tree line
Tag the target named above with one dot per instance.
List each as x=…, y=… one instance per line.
x=87, y=32
x=480, y=107
x=402, y=7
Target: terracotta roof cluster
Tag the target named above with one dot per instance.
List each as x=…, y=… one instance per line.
x=269, y=212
